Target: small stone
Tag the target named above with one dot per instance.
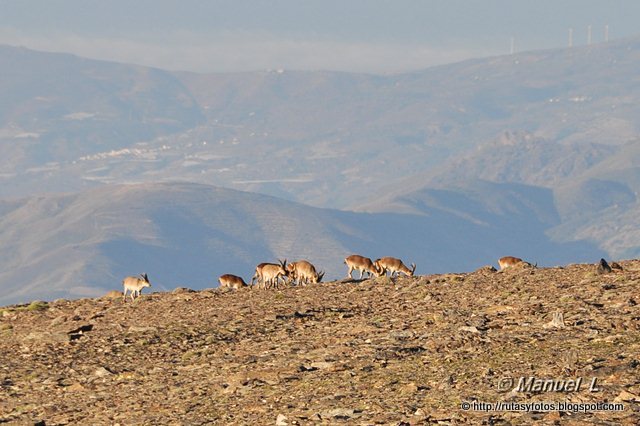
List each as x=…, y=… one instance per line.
x=409, y=389
x=141, y=329
x=281, y=420
x=402, y=335
x=603, y=267
x=180, y=290
x=340, y=413
x=321, y=365
x=102, y=372
x=113, y=294
x=625, y=396
x=48, y=337
x=552, y=416
x=76, y=387
x=58, y=320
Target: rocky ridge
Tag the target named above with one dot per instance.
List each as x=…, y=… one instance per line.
x=407, y=351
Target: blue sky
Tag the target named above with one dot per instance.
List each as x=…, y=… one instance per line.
x=376, y=36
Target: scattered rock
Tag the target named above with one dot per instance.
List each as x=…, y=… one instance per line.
x=182, y=290
x=48, y=337
x=625, y=396
x=142, y=329
x=81, y=329
x=553, y=416
x=102, y=372
x=486, y=269
x=498, y=309
x=58, y=320
x=402, y=335
x=339, y=414
x=603, y=267
x=354, y=353
x=281, y=420
x=409, y=388
x=294, y=315
x=616, y=266
x=322, y=365
x=479, y=321
x=113, y=294
x=76, y=387
x=569, y=360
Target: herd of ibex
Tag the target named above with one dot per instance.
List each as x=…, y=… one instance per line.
x=271, y=275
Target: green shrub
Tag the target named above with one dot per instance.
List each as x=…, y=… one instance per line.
x=37, y=305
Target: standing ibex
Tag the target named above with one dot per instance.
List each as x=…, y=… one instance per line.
x=509, y=261
x=304, y=272
x=135, y=285
x=231, y=281
x=362, y=264
x=270, y=273
x=394, y=267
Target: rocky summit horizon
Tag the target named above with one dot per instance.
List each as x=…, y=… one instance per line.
x=524, y=345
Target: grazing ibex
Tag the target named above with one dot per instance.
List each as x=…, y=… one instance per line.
x=231, y=281
x=135, y=285
x=394, y=266
x=304, y=272
x=362, y=264
x=270, y=273
x=510, y=261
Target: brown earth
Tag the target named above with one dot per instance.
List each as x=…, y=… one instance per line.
x=374, y=352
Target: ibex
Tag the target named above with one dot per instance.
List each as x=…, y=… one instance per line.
x=394, y=266
x=135, y=285
x=231, y=281
x=304, y=272
x=510, y=261
x=362, y=264
x=270, y=273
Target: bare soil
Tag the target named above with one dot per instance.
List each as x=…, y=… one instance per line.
x=409, y=351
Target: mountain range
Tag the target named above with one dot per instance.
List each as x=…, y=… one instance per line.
x=186, y=235
x=533, y=154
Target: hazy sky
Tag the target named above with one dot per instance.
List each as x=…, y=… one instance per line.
x=377, y=36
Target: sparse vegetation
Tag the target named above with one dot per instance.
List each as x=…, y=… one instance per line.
x=37, y=305
x=365, y=353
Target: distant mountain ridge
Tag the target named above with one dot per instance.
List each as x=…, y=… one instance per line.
x=537, y=146
x=182, y=234
x=322, y=138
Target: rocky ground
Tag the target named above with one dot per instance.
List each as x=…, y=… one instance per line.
x=413, y=351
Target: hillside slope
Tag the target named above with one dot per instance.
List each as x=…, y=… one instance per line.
x=83, y=244
x=322, y=138
x=58, y=108
x=374, y=352
x=560, y=122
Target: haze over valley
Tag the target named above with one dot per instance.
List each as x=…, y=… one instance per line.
x=110, y=169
